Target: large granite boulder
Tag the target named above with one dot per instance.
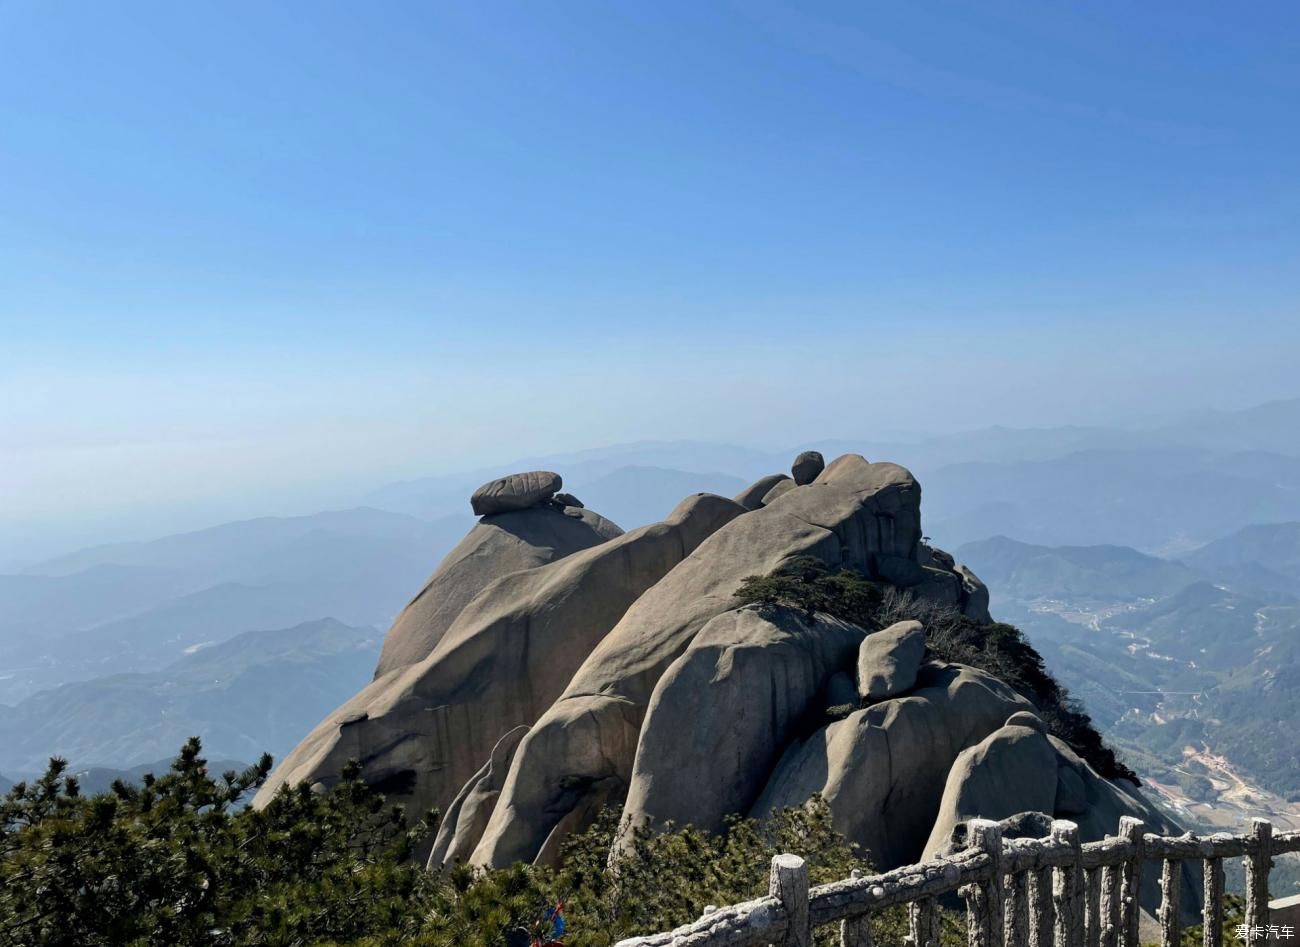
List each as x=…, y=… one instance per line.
x=751, y=498
x=516, y=491
x=1010, y=771
x=870, y=511
x=881, y=770
x=422, y=731
x=1020, y=769
x=723, y=712
x=807, y=466
x=496, y=546
x=782, y=486
x=889, y=660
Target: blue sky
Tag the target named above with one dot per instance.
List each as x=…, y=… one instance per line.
x=255, y=250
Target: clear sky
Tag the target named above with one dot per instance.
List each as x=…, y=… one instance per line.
x=266, y=249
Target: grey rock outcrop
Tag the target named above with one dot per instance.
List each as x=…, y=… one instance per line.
x=882, y=769
x=740, y=691
x=1018, y=770
x=1012, y=770
x=889, y=659
x=751, y=498
x=422, y=731
x=869, y=511
x=782, y=486
x=807, y=466
x=467, y=816
x=494, y=547
x=554, y=665
x=515, y=492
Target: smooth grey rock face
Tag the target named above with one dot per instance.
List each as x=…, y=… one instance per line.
x=868, y=510
x=888, y=660
x=975, y=595
x=467, y=816
x=882, y=770
x=422, y=731
x=751, y=498
x=1012, y=770
x=515, y=492
x=722, y=713
x=782, y=486
x=567, y=499
x=492, y=548
x=807, y=466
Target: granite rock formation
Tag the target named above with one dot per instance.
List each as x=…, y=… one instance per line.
x=554, y=665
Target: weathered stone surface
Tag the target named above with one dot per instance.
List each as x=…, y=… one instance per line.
x=739, y=691
x=1011, y=770
x=515, y=492
x=591, y=732
x=781, y=487
x=807, y=466
x=974, y=595
x=422, y=731
x=567, y=499
x=889, y=660
x=1026, y=718
x=1071, y=794
x=463, y=823
x=751, y=498
x=882, y=770
x=494, y=547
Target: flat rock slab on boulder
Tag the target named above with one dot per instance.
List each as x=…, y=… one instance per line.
x=889, y=660
x=807, y=466
x=515, y=492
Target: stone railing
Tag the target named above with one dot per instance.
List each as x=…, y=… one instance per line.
x=1048, y=892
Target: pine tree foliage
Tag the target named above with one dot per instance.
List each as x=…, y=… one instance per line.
x=181, y=860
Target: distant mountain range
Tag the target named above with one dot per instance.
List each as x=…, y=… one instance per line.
x=257, y=692
x=141, y=606
x=1086, y=508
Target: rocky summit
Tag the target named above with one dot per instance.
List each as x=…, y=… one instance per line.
x=554, y=665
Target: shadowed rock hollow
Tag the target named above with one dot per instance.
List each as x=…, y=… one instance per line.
x=554, y=665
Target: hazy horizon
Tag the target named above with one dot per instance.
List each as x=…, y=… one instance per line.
x=261, y=260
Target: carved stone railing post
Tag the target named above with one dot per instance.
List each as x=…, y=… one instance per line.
x=984, y=924
x=1170, y=886
x=1212, y=928
x=1067, y=888
x=788, y=883
x=1017, y=911
x=1092, y=907
x=1041, y=910
x=1259, y=859
x=1130, y=829
x=856, y=931
x=923, y=923
x=1112, y=900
